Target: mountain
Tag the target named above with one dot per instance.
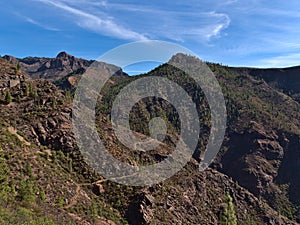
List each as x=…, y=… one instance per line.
x=50, y=68
x=286, y=80
x=45, y=180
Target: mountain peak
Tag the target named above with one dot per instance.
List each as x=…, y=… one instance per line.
x=10, y=58
x=63, y=55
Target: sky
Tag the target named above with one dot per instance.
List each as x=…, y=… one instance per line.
x=256, y=33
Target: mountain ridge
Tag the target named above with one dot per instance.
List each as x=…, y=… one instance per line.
x=261, y=146
x=50, y=68
x=285, y=79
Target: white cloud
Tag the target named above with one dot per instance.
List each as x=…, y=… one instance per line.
x=223, y=21
x=205, y=27
x=197, y=25
x=156, y=23
x=94, y=23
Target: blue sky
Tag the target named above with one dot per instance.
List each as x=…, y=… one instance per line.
x=232, y=32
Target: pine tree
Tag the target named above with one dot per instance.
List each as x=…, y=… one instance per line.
x=30, y=87
x=68, y=96
x=54, y=104
x=228, y=216
x=26, y=192
x=26, y=90
x=5, y=190
x=18, y=98
x=18, y=68
x=8, y=97
x=34, y=94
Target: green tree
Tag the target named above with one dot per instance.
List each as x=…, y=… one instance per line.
x=228, y=216
x=26, y=192
x=18, y=98
x=54, y=104
x=18, y=68
x=34, y=94
x=42, y=195
x=5, y=189
x=8, y=97
x=68, y=96
x=30, y=87
x=26, y=90
x=60, y=201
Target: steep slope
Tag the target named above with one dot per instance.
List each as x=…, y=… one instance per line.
x=261, y=140
x=284, y=79
x=39, y=183
x=261, y=147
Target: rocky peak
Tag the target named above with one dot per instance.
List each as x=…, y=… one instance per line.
x=10, y=59
x=64, y=55
x=51, y=68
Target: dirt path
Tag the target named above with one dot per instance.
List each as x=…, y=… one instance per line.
x=74, y=199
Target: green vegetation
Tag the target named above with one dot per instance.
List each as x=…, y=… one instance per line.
x=18, y=68
x=68, y=96
x=54, y=104
x=5, y=189
x=24, y=179
x=22, y=216
x=228, y=216
x=8, y=98
x=18, y=98
x=34, y=94
x=26, y=90
x=26, y=192
x=44, y=181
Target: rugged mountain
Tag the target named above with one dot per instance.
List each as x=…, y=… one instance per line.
x=50, y=68
x=44, y=179
x=261, y=148
x=284, y=79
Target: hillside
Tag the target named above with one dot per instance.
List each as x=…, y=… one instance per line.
x=285, y=79
x=44, y=179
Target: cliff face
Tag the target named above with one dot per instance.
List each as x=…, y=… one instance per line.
x=265, y=162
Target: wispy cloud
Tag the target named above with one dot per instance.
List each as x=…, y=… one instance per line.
x=36, y=23
x=197, y=25
x=146, y=21
x=222, y=21
x=104, y=26
x=204, y=28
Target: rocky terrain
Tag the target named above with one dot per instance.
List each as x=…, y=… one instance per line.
x=45, y=180
x=50, y=68
x=285, y=79
x=11, y=75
